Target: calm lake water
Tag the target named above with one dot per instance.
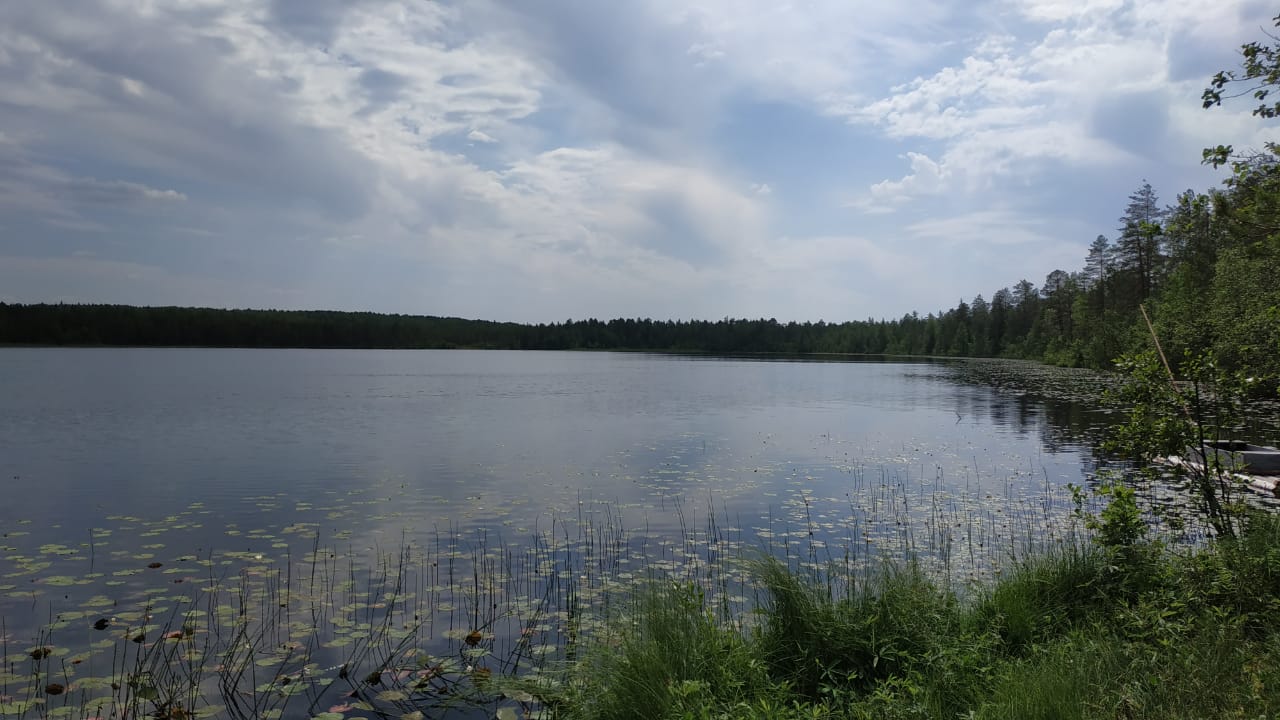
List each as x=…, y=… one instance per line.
x=114, y=460
x=90, y=433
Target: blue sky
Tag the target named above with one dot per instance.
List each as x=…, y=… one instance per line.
x=538, y=161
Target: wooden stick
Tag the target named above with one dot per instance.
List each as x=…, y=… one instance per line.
x=1173, y=383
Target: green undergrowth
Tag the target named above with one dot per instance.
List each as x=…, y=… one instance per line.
x=1130, y=630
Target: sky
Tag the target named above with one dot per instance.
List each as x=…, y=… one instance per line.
x=541, y=160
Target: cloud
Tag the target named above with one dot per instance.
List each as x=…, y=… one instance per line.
x=926, y=177
x=116, y=192
x=981, y=228
x=625, y=210
x=1057, y=11
x=988, y=90
x=809, y=51
x=1135, y=122
x=1089, y=86
x=31, y=192
x=535, y=161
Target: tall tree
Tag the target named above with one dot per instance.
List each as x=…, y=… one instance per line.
x=979, y=317
x=1097, y=269
x=1138, y=251
x=1022, y=324
x=998, y=325
x=1059, y=294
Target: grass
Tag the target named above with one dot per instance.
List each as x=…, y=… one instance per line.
x=1142, y=631
x=673, y=653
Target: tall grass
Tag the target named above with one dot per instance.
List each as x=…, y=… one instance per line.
x=1081, y=632
x=672, y=655
x=815, y=638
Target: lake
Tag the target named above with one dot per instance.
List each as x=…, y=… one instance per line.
x=480, y=492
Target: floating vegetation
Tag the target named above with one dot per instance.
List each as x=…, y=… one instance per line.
x=455, y=617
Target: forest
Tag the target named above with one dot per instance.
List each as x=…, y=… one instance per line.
x=1203, y=266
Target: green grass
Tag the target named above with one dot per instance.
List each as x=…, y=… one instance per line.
x=1140, y=631
x=674, y=658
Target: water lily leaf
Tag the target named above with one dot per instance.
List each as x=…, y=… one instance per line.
x=92, y=683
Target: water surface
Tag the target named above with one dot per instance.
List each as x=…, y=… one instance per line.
x=86, y=433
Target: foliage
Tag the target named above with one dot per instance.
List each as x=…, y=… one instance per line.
x=1170, y=418
x=1061, y=635
x=1120, y=525
x=1259, y=75
x=1158, y=420
x=674, y=660
x=816, y=641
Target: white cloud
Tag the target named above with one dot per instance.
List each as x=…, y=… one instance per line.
x=1009, y=106
x=980, y=94
x=117, y=191
x=1056, y=11
x=809, y=50
x=608, y=203
x=926, y=177
x=705, y=52
x=133, y=87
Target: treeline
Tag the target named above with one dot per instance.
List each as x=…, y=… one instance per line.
x=67, y=324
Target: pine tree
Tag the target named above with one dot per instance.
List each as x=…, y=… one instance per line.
x=1137, y=251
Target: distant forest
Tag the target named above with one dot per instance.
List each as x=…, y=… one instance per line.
x=1206, y=267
